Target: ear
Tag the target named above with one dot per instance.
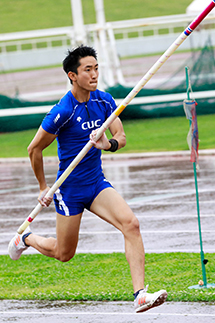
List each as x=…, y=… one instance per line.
x=72, y=76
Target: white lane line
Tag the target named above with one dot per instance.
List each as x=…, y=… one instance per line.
x=174, y=203
x=152, y=196
x=161, y=196
x=118, y=232
x=22, y=219
x=21, y=206
x=108, y=251
x=18, y=189
x=145, y=216
x=135, y=205
x=52, y=313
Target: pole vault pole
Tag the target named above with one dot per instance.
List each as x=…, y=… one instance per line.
x=119, y=110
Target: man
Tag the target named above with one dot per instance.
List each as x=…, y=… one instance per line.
x=72, y=121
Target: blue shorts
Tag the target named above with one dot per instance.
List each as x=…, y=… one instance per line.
x=73, y=199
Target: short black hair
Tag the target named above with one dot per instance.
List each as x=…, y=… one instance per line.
x=72, y=60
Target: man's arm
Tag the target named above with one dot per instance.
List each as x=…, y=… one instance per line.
x=41, y=140
x=117, y=131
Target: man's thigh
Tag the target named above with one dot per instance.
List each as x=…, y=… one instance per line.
x=111, y=207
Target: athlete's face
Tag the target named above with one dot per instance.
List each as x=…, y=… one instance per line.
x=87, y=74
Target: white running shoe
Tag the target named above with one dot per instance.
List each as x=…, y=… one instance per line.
x=144, y=301
x=17, y=245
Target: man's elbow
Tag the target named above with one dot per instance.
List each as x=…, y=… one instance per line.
x=123, y=141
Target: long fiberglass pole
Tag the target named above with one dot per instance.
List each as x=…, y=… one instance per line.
x=120, y=108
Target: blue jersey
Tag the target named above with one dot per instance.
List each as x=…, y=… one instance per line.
x=73, y=122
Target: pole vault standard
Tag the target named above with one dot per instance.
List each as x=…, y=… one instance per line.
x=120, y=108
x=188, y=106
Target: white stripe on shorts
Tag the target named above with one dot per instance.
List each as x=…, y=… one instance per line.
x=62, y=204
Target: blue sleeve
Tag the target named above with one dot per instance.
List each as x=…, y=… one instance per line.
x=55, y=119
x=113, y=105
x=110, y=104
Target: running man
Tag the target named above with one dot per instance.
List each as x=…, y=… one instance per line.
x=72, y=121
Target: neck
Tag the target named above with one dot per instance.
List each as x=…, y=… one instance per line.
x=81, y=96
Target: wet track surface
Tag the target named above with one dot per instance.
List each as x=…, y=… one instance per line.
x=114, y=312
x=160, y=190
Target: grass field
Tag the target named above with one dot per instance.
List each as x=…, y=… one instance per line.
x=107, y=277
x=20, y=15
x=165, y=134
x=103, y=277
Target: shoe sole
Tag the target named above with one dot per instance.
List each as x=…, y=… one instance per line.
x=10, y=248
x=157, y=302
x=17, y=254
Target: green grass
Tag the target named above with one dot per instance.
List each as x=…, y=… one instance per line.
x=165, y=134
x=20, y=15
x=103, y=277
x=14, y=144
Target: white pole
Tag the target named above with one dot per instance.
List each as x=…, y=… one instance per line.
x=116, y=60
x=103, y=50
x=100, y=16
x=78, y=22
x=120, y=108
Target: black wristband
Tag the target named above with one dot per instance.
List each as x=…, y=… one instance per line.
x=114, y=145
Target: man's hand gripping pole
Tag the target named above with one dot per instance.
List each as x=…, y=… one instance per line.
x=66, y=173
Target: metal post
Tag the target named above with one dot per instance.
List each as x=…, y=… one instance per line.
x=78, y=22
x=203, y=260
x=103, y=50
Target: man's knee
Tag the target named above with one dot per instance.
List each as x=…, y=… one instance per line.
x=131, y=226
x=65, y=256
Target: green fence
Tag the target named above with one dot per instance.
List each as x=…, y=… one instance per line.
x=202, y=74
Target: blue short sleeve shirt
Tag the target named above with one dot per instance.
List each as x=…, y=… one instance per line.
x=73, y=122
